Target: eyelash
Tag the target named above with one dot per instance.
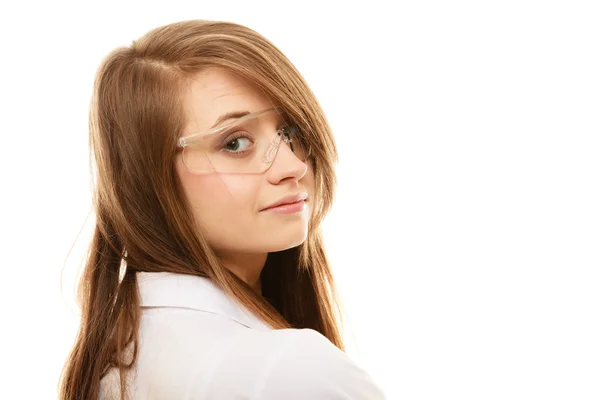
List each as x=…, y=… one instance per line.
x=234, y=136
x=238, y=135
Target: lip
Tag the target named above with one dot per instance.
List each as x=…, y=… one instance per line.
x=288, y=203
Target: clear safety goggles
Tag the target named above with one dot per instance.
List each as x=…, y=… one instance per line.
x=247, y=145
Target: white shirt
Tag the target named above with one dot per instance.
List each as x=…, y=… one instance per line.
x=198, y=343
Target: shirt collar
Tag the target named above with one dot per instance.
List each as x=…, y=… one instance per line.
x=166, y=289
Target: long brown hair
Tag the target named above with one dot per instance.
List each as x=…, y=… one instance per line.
x=143, y=219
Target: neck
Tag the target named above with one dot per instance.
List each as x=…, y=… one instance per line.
x=246, y=266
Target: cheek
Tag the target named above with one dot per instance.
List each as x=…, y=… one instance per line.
x=223, y=206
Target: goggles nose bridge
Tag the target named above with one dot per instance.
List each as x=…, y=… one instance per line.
x=273, y=148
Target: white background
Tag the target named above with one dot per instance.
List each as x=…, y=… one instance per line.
x=466, y=232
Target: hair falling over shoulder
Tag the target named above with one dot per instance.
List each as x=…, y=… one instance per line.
x=143, y=221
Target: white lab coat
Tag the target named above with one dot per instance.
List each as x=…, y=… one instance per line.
x=197, y=343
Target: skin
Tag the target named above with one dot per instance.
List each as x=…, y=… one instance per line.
x=227, y=206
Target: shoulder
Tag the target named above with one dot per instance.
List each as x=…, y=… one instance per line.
x=182, y=351
x=291, y=364
x=186, y=353
x=221, y=359
x=312, y=367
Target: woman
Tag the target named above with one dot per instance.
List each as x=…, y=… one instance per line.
x=206, y=276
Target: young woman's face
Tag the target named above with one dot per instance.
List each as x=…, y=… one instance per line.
x=231, y=209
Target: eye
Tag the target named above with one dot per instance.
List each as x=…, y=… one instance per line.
x=237, y=144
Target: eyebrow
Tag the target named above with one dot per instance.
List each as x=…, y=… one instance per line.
x=230, y=115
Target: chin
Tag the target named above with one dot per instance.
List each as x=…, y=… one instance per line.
x=285, y=240
x=289, y=245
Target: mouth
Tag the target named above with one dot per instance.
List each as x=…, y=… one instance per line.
x=288, y=204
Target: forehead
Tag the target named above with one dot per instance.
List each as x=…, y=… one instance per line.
x=216, y=91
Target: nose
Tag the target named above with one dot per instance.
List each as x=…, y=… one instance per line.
x=286, y=166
